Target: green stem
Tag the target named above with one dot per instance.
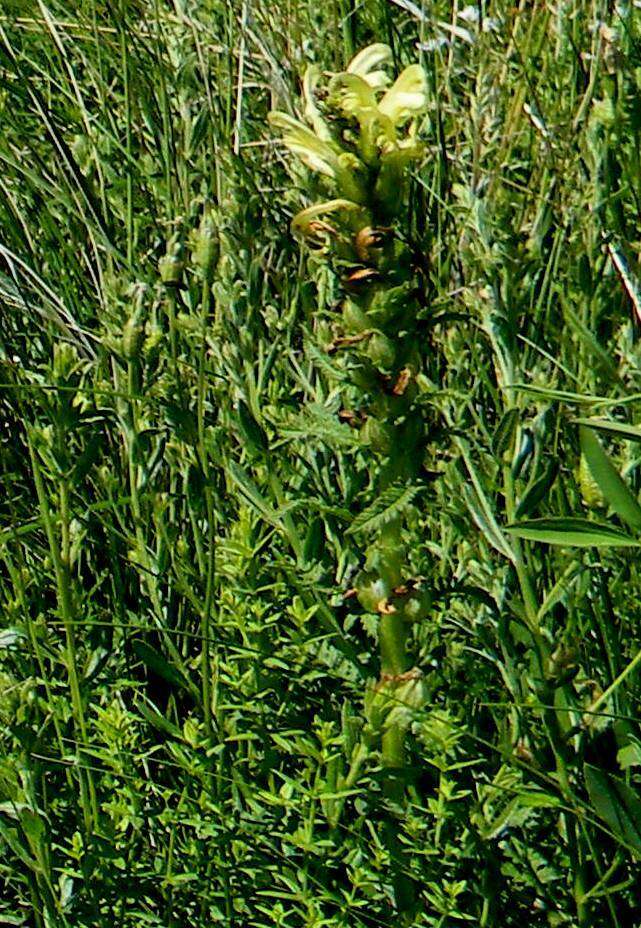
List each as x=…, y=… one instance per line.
x=550, y=718
x=205, y=657
x=60, y=558
x=392, y=638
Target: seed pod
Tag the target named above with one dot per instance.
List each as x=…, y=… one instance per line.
x=590, y=490
x=359, y=280
x=372, y=591
x=369, y=241
x=377, y=435
x=381, y=351
x=385, y=561
x=133, y=336
x=170, y=268
x=417, y=605
x=205, y=244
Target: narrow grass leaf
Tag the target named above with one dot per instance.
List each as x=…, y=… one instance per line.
x=613, y=487
x=614, y=429
x=481, y=510
x=617, y=804
x=577, y=533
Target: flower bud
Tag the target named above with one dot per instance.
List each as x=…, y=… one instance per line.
x=590, y=490
x=170, y=268
x=205, y=245
x=133, y=336
x=417, y=605
x=371, y=590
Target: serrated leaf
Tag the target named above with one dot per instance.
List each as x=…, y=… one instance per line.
x=322, y=361
x=389, y=504
x=577, y=533
x=319, y=423
x=610, y=482
x=617, y=804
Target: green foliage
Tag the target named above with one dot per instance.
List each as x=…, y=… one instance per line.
x=200, y=518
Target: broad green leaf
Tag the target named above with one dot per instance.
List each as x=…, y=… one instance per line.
x=615, y=429
x=617, y=804
x=504, y=434
x=255, y=439
x=629, y=756
x=10, y=836
x=613, y=487
x=155, y=661
x=538, y=491
x=577, y=533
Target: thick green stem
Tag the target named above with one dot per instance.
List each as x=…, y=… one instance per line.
x=392, y=637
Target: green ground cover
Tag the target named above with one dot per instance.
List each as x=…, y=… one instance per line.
x=319, y=530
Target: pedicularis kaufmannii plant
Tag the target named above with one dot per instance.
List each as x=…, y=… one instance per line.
x=362, y=139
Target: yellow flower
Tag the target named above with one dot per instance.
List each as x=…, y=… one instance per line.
x=407, y=97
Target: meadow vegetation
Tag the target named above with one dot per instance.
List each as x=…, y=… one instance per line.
x=320, y=593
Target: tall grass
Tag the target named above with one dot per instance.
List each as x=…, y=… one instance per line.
x=183, y=673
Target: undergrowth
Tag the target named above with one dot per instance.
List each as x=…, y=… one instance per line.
x=191, y=492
